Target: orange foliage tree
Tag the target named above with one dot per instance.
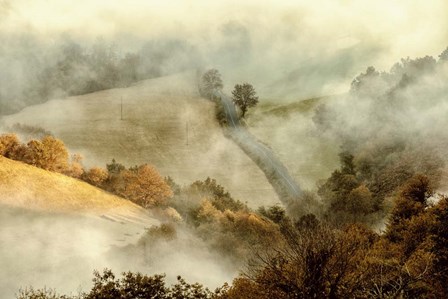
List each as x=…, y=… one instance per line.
x=142, y=185
x=49, y=154
x=8, y=145
x=96, y=176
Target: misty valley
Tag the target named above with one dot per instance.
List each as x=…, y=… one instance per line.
x=224, y=150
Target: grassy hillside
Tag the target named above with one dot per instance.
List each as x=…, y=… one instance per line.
x=289, y=130
x=165, y=123
x=22, y=185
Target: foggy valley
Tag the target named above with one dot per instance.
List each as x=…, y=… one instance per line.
x=227, y=149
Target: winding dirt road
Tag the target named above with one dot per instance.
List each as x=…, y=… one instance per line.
x=286, y=187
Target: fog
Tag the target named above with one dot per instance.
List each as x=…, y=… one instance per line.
x=289, y=50
x=61, y=251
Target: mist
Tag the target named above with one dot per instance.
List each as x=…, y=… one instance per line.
x=289, y=51
x=61, y=250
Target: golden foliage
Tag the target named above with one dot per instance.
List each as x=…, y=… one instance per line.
x=96, y=176
x=143, y=185
x=8, y=144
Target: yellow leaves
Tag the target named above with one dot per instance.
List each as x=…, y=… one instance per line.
x=49, y=154
x=8, y=143
x=143, y=185
x=208, y=212
x=96, y=176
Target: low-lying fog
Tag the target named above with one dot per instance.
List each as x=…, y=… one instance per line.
x=289, y=50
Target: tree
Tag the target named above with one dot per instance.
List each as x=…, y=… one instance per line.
x=49, y=154
x=142, y=185
x=315, y=262
x=96, y=176
x=444, y=55
x=211, y=82
x=244, y=96
x=8, y=145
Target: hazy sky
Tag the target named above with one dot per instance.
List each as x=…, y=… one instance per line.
x=286, y=34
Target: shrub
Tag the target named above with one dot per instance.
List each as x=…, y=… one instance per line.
x=9, y=143
x=96, y=176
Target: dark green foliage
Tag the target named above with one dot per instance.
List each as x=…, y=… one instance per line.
x=275, y=213
x=31, y=293
x=184, y=290
x=115, y=167
x=220, y=198
x=444, y=55
x=244, y=96
x=220, y=114
x=173, y=185
x=129, y=286
x=307, y=222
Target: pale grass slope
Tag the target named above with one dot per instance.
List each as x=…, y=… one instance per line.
x=165, y=123
x=56, y=230
x=22, y=185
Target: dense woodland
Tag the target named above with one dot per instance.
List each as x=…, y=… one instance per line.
x=380, y=230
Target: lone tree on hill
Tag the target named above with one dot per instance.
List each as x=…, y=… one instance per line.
x=244, y=96
x=211, y=81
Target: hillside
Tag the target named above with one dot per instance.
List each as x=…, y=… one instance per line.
x=50, y=222
x=165, y=123
x=22, y=185
x=288, y=129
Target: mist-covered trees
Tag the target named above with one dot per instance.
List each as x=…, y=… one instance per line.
x=444, y=55
x=244, y=96
x=211, y=82
x=307, y=258
x=34, y=72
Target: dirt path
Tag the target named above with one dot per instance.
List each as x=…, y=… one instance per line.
x=285, y=186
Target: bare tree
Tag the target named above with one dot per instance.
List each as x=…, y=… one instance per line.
x=244, y=96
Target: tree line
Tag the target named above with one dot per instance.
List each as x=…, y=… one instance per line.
x=141, y=184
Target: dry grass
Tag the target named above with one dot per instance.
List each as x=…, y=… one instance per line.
x=156, y=114
x=27, y=186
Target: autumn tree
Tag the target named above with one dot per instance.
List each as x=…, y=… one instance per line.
x=211, y=82
x=315, y=262
x=8, y=145
x=96, y=176
x=75, y=168
x=142, y=185
x=49, y=154
x=244, y=96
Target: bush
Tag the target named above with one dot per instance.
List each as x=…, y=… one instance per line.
x=9, y=143
x=96, y=176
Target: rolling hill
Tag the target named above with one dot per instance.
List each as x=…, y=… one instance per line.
x=53, y=227
x=165, y=123
x=23, y=185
